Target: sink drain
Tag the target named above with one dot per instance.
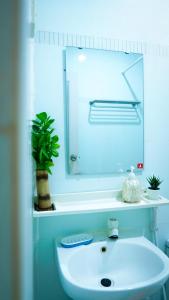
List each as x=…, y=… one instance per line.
x=106, y=282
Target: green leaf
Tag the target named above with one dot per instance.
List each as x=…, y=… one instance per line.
x=51, y=130
x=45, y=153
x=42, y=140
x=50, y=163
x=41, y=154
x=34, y=141
x=48, y=123
x=55, y=138
x=49, y=170
x=48, y=118
x=42, y=116
x=55, y=153
x=36, y=122
x=35, y=128
x=51, y=121
x=55, y=146
x=34, y=154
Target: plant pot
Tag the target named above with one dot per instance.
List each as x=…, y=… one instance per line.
x=153, y=194
x=43, y=195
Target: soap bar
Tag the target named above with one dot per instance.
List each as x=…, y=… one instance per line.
x=76, y=240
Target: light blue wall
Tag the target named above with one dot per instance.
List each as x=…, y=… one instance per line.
x=112, y=19
x=128, y=20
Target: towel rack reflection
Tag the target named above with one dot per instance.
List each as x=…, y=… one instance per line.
x=114, y=111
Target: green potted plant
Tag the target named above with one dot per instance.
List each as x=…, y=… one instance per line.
x=153, y=189
x=44, y=148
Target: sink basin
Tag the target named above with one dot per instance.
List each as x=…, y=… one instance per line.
x=124, y=269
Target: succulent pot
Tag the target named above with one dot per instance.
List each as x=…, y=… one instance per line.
x=43, y=195
x=153, y=194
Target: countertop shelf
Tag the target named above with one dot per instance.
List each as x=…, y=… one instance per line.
x=93, y=202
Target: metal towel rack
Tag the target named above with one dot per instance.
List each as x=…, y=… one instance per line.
x=114, y=111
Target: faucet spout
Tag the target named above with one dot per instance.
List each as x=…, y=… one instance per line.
x=113, y=232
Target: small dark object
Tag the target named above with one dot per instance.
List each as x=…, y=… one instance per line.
x=37, y=208
x=113, y=237
x=103, y=249
x=106, y=282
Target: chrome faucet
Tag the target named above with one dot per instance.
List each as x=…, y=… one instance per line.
x=113, y=232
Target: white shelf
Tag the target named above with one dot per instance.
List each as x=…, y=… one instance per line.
x=93, y=202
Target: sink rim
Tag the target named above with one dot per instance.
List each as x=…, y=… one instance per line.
x=65, y=255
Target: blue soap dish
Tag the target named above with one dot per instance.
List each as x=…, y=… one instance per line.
x=76, y=240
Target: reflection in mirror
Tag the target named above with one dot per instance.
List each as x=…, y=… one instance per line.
x=104, y=99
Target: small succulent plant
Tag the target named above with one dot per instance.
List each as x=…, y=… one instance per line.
x=154, y=182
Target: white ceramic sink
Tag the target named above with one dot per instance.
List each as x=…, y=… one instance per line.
x=134, y=267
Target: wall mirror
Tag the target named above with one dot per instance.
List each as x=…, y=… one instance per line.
x=105, y=110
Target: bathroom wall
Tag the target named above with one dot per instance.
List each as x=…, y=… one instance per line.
x=111, y=19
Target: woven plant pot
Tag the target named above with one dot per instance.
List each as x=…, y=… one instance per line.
x=43, y=194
